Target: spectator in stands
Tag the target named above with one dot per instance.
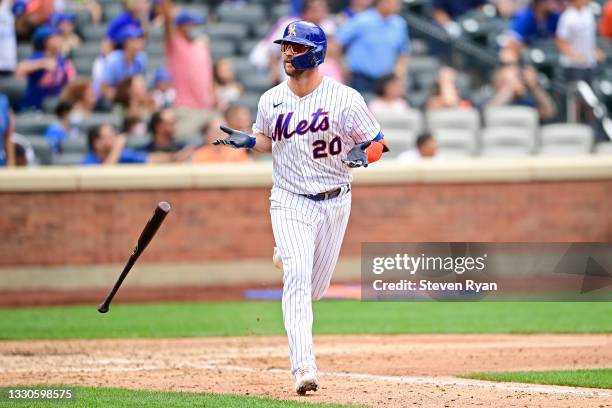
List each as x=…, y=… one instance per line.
x=7, y=150
x=21, y=158
x=134, y=126
x=354, y=7
x=227, y=88
x=162, y=127
x=238, y=117
x=8, y=40
x=80, y=93
x=537, y=21
x=136, y=14
x=267, y=56
x=516, y=86
x=506, y=9
x=46, y=69
x=605, y=24
x=390, y=96
x=107, y=147
x=163, y=92
x=190, y=65
x=376, y=43
x=445, y=93
x=62, y=128
x=31, y=14
x=133, y=99
x=92, y=6
x=446, y=12
x=426, y=148
x=128, y=61
x=217, y=154
x=65, y=23
x=576, y=39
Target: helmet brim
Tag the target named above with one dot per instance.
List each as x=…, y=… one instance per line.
x=296, y=40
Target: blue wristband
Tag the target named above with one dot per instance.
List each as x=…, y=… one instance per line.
x=252, y=141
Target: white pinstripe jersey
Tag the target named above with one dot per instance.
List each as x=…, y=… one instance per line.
x=310, y=135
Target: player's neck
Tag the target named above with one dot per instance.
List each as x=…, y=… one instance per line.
x=305, y=83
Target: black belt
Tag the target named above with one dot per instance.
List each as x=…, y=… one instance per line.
x=324, y=196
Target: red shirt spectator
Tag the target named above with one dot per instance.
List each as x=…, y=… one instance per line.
x=605, y=24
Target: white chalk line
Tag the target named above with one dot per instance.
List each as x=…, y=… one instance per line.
x=412, y=380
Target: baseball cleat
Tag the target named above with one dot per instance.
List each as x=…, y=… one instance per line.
x=306, y=380
x=277, y=260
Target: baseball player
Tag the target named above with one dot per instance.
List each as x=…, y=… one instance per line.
x=316, y=129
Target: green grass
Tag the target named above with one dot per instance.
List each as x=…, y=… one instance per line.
x=595, y=378
x=331, y=317
x=87, y=397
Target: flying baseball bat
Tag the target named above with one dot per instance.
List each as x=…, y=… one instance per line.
x=146, y=236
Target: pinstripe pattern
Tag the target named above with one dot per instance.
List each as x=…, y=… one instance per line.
x=350, y=120
x=309, y=233
x=309, y=236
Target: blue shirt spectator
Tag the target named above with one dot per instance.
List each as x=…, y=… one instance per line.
x=46, y=69
x=54, y=135
x=127, y=156
x=58, y=131
x=126, y=62
x=5, y=125
x=123, y=20
x=526, y=27
x=373, y=42
x=106, y=147
x=117, y=67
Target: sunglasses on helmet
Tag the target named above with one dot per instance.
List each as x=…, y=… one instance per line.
x=296, y=48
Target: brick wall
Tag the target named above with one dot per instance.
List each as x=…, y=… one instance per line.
x=90, y=227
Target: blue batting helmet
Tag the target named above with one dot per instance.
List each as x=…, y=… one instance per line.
x=309, y=34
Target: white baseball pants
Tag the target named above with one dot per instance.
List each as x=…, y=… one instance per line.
x=308, y=235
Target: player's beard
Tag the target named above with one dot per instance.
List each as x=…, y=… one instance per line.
x=291, y=71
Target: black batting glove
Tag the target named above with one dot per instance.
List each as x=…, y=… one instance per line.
x=357, y=156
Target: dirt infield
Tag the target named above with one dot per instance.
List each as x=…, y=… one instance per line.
x=390, y=371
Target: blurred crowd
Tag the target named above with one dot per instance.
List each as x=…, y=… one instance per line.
x=171, y=112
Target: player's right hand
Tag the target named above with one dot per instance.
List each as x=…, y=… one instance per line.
x=236, y=139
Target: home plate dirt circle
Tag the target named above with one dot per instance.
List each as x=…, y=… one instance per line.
x=390, y=371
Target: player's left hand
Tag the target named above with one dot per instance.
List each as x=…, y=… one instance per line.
x=357, y=156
